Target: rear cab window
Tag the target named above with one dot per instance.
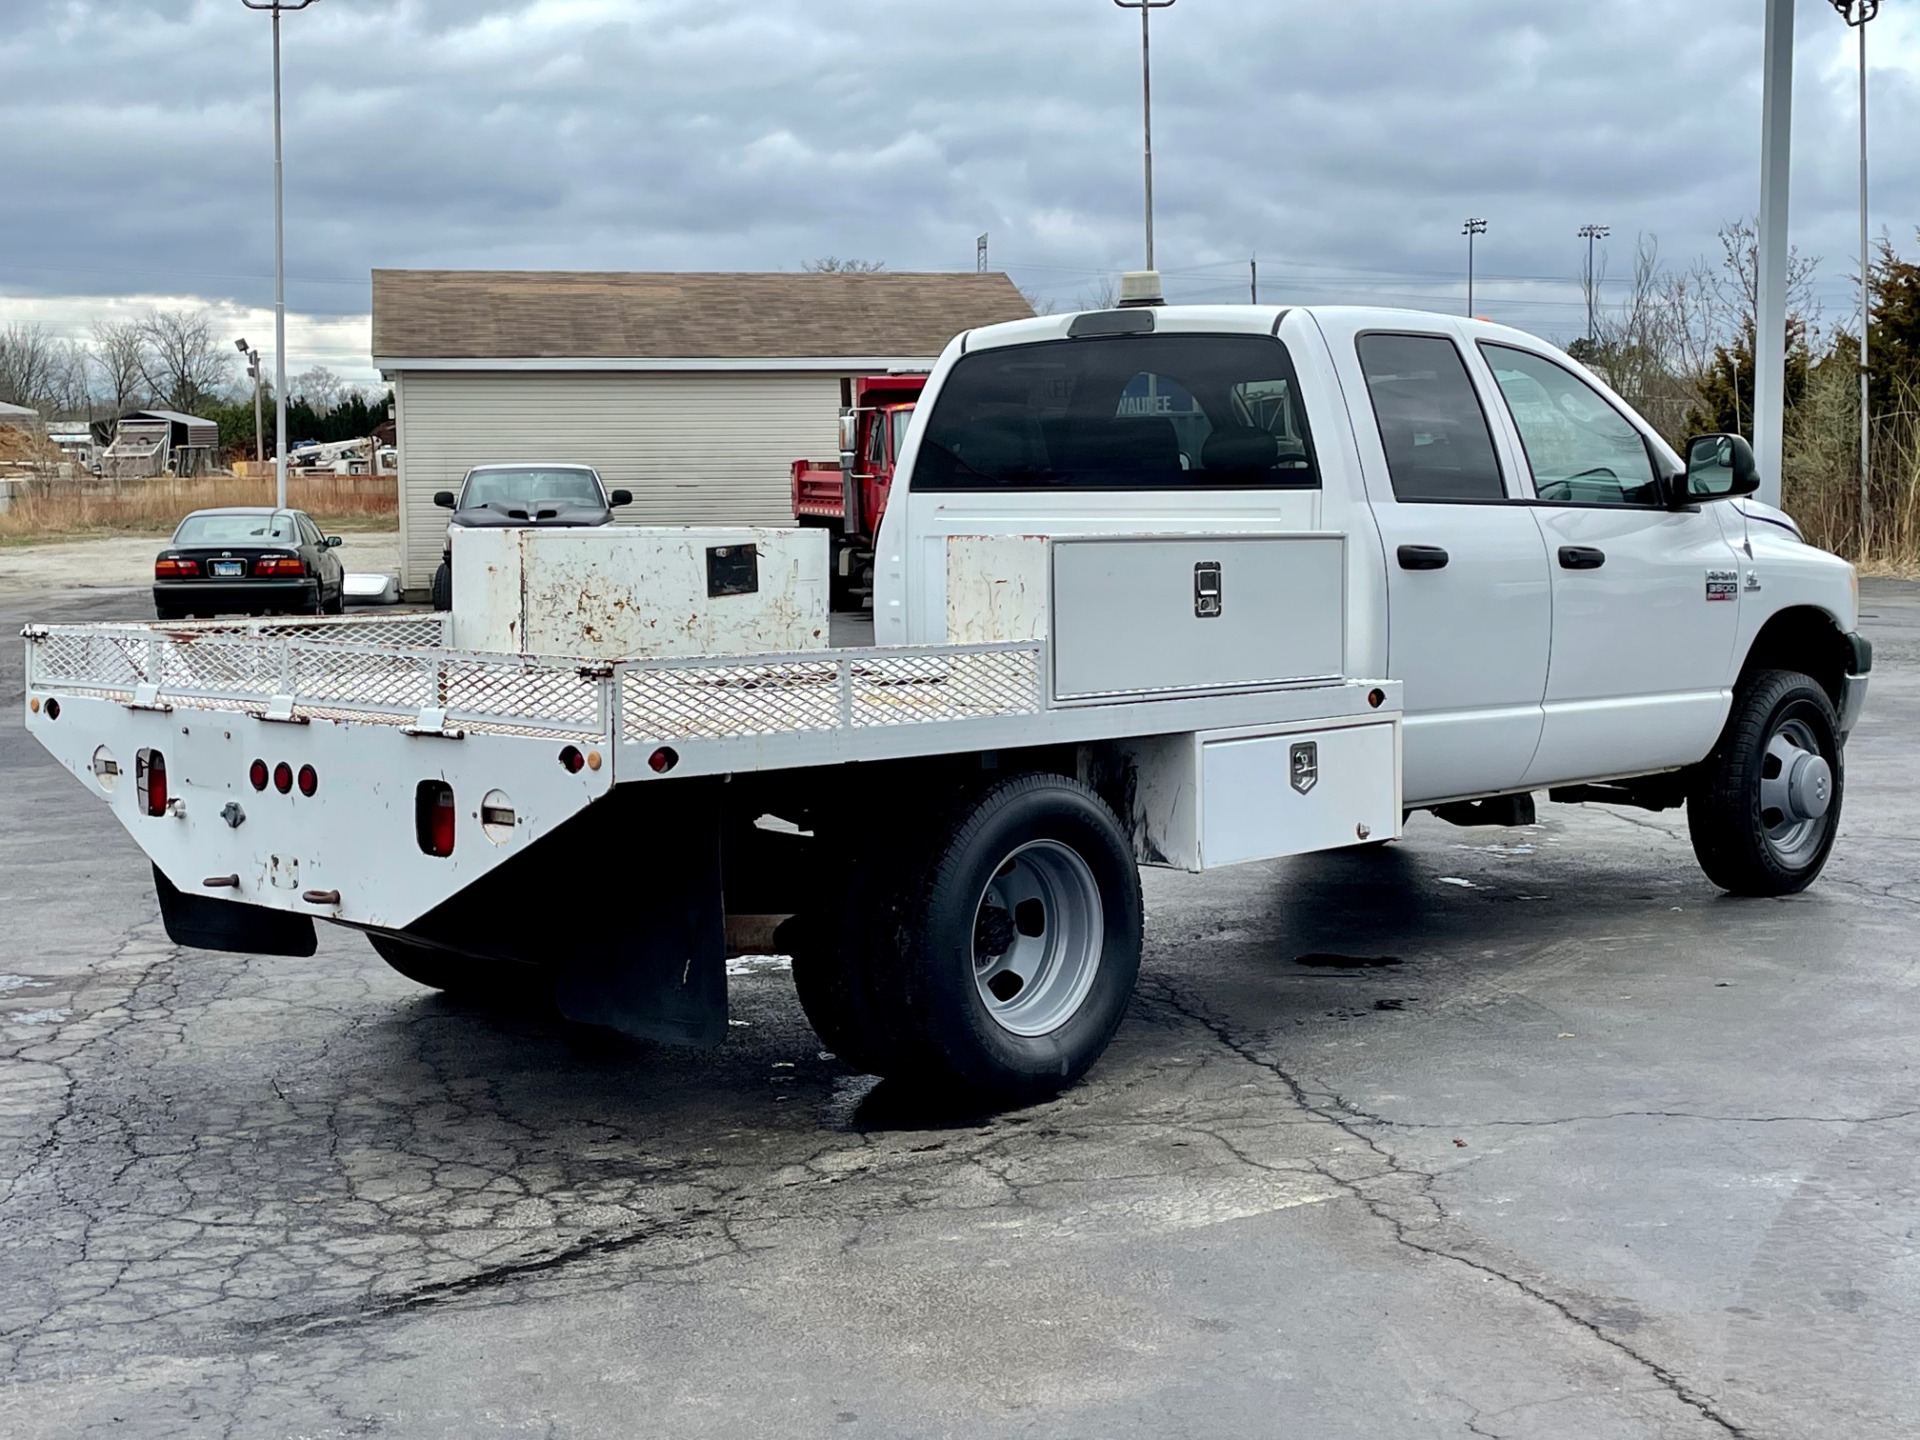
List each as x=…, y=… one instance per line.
x=1438, y=444
x=1137, y=412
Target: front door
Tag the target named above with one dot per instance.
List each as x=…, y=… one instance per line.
x=1646, y=604
x=1469, y=604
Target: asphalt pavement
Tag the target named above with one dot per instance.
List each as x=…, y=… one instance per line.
x=1512, y=1133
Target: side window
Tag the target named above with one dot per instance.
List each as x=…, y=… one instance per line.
x=1431, y=424
x=876, y=441
x=1581, y=449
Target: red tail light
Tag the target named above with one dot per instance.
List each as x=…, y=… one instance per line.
x=283, y=777
x=433, y=817
x=309, y=780
x=150, y=777
x=257, y=774
x=280, y=566
x=167, y=567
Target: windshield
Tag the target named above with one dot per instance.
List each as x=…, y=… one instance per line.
x=1143, y=412
x=235, y=530
x=902, y=417
x=522, y=485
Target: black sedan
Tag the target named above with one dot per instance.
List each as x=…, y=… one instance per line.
x=249, y=560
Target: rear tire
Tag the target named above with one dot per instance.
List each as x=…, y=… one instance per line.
x=466, y=978
x=443, y=587
x=1023, y=946
x=1764, y=807
x=338, y=604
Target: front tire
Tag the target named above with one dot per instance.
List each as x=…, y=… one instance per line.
x=443, y=587
x=1765, y=805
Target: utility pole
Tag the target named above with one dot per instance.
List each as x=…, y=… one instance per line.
x=1146, y=9
x=1770, y=337
x=1253, y=278
x=279, y=261
x=1591, y=233
x=1857, y=13
x=1471, y=229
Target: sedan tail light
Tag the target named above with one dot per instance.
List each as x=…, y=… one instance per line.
x=280, y=566
x=170, y=567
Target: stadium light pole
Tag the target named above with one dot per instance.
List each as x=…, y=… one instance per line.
x=253, y=373
x=1857, y=13
x=1471, y=229
x=1146, y=9
x=1591, y=233
x=279, y=262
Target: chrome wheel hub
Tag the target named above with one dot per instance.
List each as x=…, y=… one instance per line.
x=1796, y=792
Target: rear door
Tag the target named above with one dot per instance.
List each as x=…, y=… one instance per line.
x=1646, y=606
x=1469, y=604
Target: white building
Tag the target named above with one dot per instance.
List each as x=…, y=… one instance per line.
x=694, y=391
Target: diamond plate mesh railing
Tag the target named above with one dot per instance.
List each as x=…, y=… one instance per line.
x=688, y=700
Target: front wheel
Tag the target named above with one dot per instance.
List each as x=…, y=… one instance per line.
x=1765, y=805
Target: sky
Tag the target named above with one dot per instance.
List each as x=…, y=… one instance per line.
x=1343, y=145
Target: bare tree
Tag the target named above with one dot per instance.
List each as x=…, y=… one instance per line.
x=28, y=362
x=834, y=265
x=320, y=388
x=72, y=389
x=1103, y=294
x=1036, y=302
x=117, y=351
x=180, y=360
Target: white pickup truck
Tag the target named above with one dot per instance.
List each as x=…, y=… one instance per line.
x=1158, y=585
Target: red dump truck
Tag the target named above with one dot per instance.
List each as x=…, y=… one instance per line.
x=849, y=496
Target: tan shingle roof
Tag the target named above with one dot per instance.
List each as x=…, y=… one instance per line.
x=558, y=314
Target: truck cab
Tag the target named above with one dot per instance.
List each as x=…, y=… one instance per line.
x=1571, y=606
x=849, y=497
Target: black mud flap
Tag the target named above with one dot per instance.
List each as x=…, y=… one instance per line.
x=621, y=906
x=209, y=924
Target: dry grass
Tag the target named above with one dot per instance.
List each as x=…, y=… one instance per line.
x=55, y=510
x=1822, y=490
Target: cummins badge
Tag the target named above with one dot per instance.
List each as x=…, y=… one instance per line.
x=1303, y=765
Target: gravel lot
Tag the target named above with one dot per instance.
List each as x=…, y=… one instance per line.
x=1583, y=1150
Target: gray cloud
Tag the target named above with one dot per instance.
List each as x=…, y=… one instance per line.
x=1344, y=144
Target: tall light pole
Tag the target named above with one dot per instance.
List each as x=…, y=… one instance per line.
x=1591, y=233
x=1146, y=9
x=1857, y=13
x=1770, y=319
x=279, y=262
x=1471, y=229
x=253, y=373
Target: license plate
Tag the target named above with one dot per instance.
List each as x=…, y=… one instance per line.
x=229, y=567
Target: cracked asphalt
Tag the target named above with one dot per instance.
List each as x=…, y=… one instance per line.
x=1583, y=1149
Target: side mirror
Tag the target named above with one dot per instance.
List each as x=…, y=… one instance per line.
x=849, y=433
x=620, y=497
x=334, y=542
x=1720, y=467
x=444, y=499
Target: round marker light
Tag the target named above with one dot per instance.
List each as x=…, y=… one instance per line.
x=283, y=777
x=257, y=774
x=309, y=780
x=53, y=709
x=1376, y=698
x=571, y=760
x=663, y=760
